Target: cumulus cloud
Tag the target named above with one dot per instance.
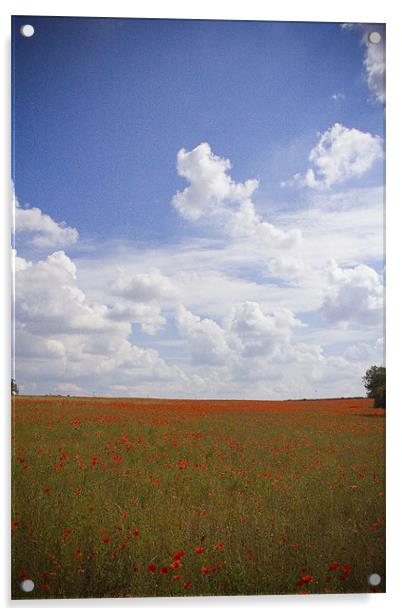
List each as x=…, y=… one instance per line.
x=261, y=333
x=247, y=332
x=209, y=342
x=149, y=317
x=143, y=287
x=214, y=197
x=340, y=154
x=354, y=295
x=44, y=232
x=62, y=337
x=286, y=267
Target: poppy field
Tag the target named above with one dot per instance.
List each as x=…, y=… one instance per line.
x=142, y=497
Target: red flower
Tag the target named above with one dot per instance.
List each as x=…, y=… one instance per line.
x=176, y=578
x=105, y=539
x=176, y=564
x=334, y=566
x=136, y=533
x=152, y=568
x=45, y=586
x=219, y=547
x=306, y=579
x=164, y=570
x=47, y=490
x=67, y=532
x=199, y=550
x=187, y=585
x=341, y=578
x=178, y=555
x=346, y=568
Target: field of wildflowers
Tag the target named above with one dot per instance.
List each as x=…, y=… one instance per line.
x=141, y=497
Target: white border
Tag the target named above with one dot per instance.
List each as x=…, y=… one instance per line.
x=289, y=10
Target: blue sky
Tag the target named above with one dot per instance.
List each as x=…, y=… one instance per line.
x=181, y=289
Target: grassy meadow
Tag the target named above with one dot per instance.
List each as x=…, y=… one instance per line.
x=142, y=497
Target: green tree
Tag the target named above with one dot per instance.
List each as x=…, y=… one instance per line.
x=375, y=383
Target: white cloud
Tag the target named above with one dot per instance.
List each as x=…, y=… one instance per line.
x=43, y=230
x=246, y=333
x=214, y=198
x=62, y=337
x=374, y=58
x=149, y=317
x=143, y=287
x=261, y=333
x=354, y=294
x=209, y=343
x=374, y=63
x=210, y=185
x=341, y=154
x=287, y=267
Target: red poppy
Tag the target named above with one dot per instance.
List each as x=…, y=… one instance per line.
x=199, y=550
x=306, y=579
x=47, y=490
x=187, y=585
x=334, y=566
x=45, y=586
x=346, y=568
x=341, y=578
x=105, y=539
x=152, y=568
x=67, y=532
x=178, y=555
x=176, y=578
x=164, y=570
x=176, y=564
x=136, y=533
x=219, y=547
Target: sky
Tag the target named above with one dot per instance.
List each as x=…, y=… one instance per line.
x=198, y=207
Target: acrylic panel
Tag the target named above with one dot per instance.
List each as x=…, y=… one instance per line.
x=198, y=391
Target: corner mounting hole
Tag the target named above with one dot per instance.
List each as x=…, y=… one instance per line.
x=374, y=38
x=27, y=30
x=27, y=585
x=374, y=579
